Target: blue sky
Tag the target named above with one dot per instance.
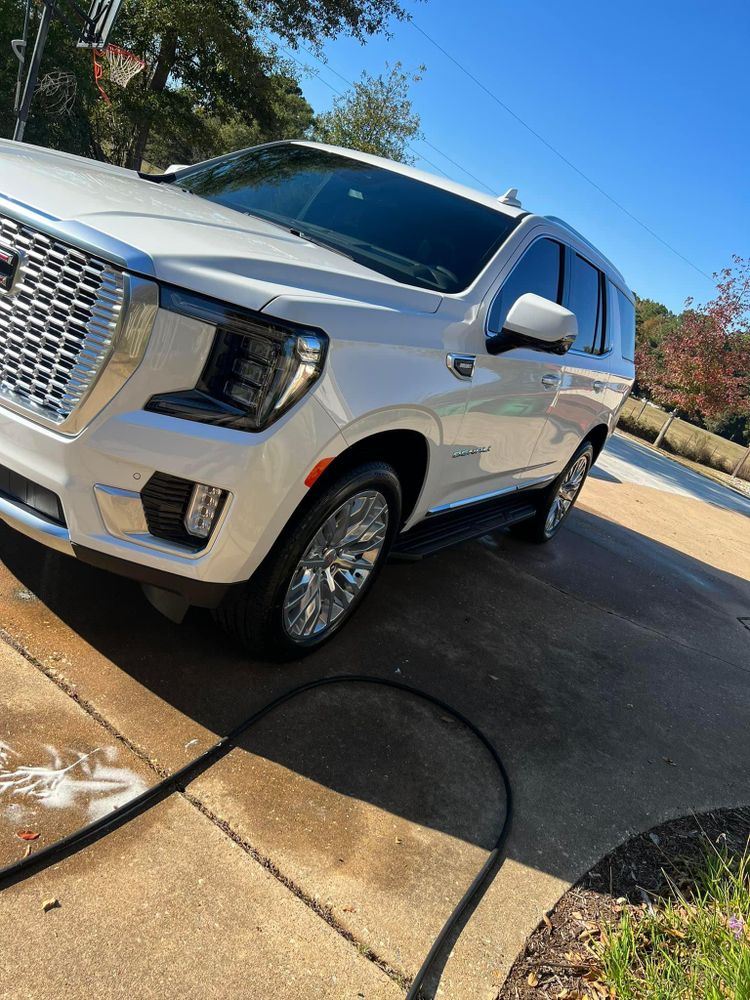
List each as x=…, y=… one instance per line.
x=651, y=100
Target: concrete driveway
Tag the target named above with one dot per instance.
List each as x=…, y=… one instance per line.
x=611, y=668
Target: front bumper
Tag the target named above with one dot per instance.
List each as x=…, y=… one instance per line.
x=124, y=446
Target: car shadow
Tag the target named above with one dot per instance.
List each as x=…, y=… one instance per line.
x=526, y=642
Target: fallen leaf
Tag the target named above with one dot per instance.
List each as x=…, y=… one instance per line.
x=50, y=904
x=548, y=922
x=533, y=979
x=577, y=915
x=27, y=835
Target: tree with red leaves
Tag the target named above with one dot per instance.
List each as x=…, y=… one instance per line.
x=701, y=368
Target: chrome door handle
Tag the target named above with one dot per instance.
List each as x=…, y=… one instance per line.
x=551, y=381
x=599, y=386
x=461, y=365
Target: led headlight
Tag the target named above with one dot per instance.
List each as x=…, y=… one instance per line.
x=257, y=369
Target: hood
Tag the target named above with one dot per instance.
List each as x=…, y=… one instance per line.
x=163, y=232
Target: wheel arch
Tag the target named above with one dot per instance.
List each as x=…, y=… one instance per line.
x=598, y=437
x=406, y=450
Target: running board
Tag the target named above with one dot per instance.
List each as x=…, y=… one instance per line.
x=461, y=525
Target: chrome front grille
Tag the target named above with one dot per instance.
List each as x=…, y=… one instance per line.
x=58, y=323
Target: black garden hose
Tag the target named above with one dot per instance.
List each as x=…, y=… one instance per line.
x=177, y=782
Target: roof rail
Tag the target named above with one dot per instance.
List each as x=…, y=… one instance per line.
x=566, y=225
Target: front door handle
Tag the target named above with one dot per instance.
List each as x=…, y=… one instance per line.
x=461, y=365
x=599, y=386
x=550, y=381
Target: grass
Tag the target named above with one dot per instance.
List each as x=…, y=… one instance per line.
x=691, y=944
x=683, y=439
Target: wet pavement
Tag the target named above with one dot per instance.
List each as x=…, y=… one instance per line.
x=610, y=668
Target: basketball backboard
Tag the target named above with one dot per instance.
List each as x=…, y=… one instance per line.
x=101, y=17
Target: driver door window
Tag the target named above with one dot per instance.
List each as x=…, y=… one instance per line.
x=538, y=271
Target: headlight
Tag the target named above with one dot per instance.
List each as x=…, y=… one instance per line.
x=257, y=369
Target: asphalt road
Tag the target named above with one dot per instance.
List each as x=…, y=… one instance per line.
x=626, y=461
x=611, y=668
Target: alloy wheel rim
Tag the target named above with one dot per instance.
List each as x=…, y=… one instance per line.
x=566, y=494
x=333, y=571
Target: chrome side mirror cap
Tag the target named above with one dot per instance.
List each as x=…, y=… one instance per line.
x=537, y=323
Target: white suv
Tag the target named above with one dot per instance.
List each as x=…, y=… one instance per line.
x=244, y=383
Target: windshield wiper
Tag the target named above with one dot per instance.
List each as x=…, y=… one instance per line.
x=304, y=235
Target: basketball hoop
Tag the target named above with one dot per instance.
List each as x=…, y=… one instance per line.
x=122, y=66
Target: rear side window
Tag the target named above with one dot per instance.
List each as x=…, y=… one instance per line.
x=584, y=299
x=537, y=271
x=621, y=318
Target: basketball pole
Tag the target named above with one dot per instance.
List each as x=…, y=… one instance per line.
x=19, y=51
x=33, y=74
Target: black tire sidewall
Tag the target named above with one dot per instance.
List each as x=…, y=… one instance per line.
x=585, y=448
x=275, y=575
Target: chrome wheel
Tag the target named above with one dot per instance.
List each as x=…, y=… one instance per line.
x=336, y=565
x=566, y=494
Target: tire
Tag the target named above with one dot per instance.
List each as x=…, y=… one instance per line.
x=259, y=615
x=538, y=528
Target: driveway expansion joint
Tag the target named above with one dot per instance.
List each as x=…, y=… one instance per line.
x=400, y=978
x=68, y=689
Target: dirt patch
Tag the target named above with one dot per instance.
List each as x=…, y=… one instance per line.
x=557, y=961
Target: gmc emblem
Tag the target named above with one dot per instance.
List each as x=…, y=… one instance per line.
x=9, y=261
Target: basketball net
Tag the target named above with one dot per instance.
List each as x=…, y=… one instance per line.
x=122, y=66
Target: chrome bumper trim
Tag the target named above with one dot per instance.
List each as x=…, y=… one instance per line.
x=54, y=536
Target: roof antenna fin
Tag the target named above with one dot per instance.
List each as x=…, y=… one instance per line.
x=510, y=198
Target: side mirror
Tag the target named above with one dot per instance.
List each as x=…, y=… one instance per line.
x=537, y=323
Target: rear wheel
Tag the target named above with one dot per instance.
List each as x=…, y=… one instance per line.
x=558, y=499
x=320, y=569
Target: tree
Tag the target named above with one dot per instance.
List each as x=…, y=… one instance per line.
x=375, y=116
x=218, y=51
x=209, y=66
x=71, y=133
x=652, y=321
x=701, y=367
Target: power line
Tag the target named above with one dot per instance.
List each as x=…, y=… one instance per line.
x=557, y=152
x=409, y=146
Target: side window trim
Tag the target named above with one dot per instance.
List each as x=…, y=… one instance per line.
x=561, y=283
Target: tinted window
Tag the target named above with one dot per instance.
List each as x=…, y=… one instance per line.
x=583, y=300
x=621, y=312
x=401, y=227
x=537, y=271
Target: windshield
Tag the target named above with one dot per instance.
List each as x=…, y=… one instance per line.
x=400, y=227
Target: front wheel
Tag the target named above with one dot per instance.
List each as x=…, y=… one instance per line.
x=319, y=571
x=558, y=499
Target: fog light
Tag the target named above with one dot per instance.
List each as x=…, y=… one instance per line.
x=203, y=509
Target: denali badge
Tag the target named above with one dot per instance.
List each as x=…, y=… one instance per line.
x=471, y=451
x=9, y=261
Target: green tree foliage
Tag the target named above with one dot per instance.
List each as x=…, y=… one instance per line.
x=213, y=77
x=72, y=132
x=375, y=116
x=653, y=321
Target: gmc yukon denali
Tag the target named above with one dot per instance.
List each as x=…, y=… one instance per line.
x=244, y=383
